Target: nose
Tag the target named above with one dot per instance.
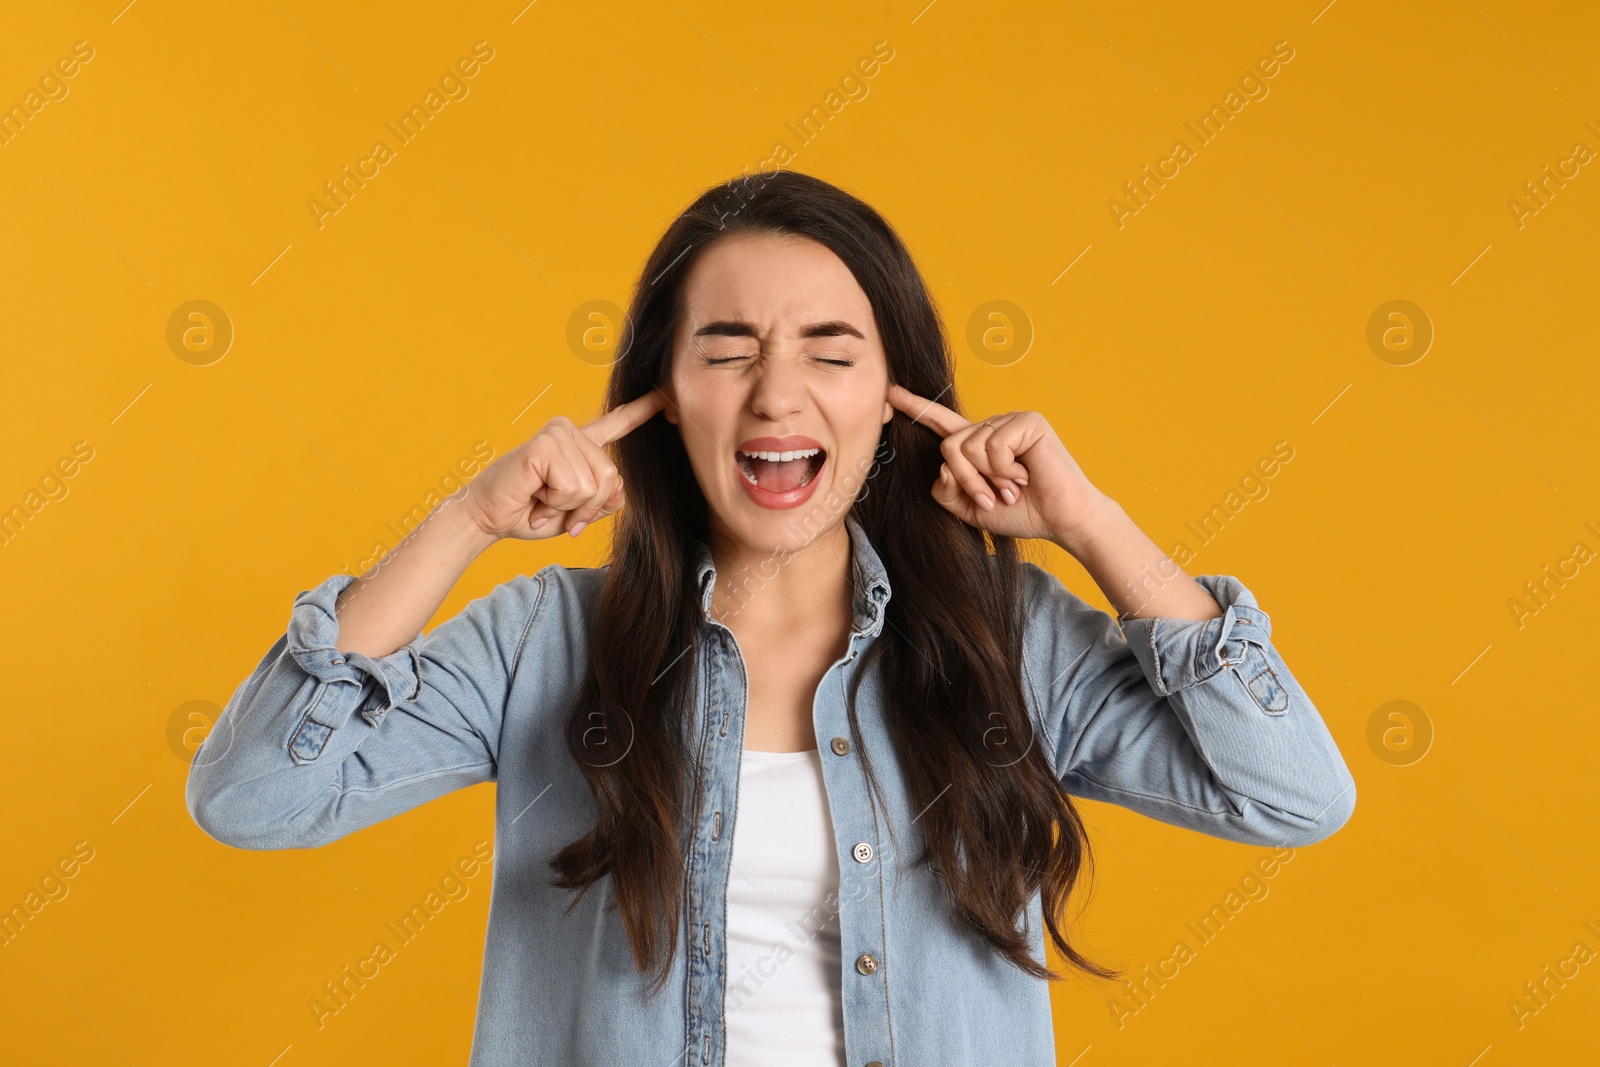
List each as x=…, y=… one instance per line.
x=778, y=391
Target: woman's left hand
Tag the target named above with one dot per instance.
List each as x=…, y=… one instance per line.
x=1017, y=456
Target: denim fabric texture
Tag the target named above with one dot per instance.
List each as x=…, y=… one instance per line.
x=1198, y=724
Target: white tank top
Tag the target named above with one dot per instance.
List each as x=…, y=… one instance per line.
x=783, y=1003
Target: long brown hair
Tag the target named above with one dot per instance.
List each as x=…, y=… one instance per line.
x=998, y=824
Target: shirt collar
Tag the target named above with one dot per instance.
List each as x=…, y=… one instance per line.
x=868, y=578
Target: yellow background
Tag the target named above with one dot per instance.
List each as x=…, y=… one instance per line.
x=1230, y=313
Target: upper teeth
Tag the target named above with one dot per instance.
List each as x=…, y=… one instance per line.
x=784, y=457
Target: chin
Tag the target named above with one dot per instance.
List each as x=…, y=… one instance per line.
x=776, y=532
x=770, y=531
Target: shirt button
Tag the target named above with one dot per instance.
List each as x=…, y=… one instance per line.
x=867, y=963
x=840, y=746
x=862, y=852
x=874, y=1063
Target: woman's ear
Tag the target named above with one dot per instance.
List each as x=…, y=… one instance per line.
x=888, y=412
x=670, y=412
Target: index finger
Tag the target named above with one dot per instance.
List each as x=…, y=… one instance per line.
x=623, y=419
x=941, y=419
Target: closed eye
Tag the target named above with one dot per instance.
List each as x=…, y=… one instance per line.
x=712, y=361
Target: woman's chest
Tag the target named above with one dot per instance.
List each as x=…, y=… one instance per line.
x=782, y=675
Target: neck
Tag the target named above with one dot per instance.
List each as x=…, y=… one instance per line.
x=778, y=585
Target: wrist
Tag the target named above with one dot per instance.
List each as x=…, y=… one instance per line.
x=1079, y=537
x=461, y=528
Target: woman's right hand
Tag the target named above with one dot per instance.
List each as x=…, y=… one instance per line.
x=560, y=479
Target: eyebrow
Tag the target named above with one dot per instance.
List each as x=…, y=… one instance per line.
x=729, y=328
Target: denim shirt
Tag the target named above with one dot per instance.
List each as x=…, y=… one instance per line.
x=1195, y=723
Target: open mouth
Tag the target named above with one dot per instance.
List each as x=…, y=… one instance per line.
x=780, y=472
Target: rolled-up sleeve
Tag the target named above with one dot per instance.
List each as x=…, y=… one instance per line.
x=1198, y=723
x=317, y=743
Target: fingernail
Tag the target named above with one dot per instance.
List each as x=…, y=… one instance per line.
x=540, y=521
x=985, y=501
x=1023, y=480
x=577, y=529
x=1011, y=498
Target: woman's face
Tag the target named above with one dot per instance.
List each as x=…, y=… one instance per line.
x=777, y=352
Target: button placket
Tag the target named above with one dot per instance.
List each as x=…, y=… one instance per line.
x=723, y=684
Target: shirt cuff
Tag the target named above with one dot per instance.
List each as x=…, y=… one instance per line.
x=349, y=677
x=1179, y=653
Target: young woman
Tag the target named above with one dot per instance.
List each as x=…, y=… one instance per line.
x=802, y=754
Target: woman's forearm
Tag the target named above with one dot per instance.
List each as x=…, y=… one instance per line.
x=1138, y=578
x=380, y=612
